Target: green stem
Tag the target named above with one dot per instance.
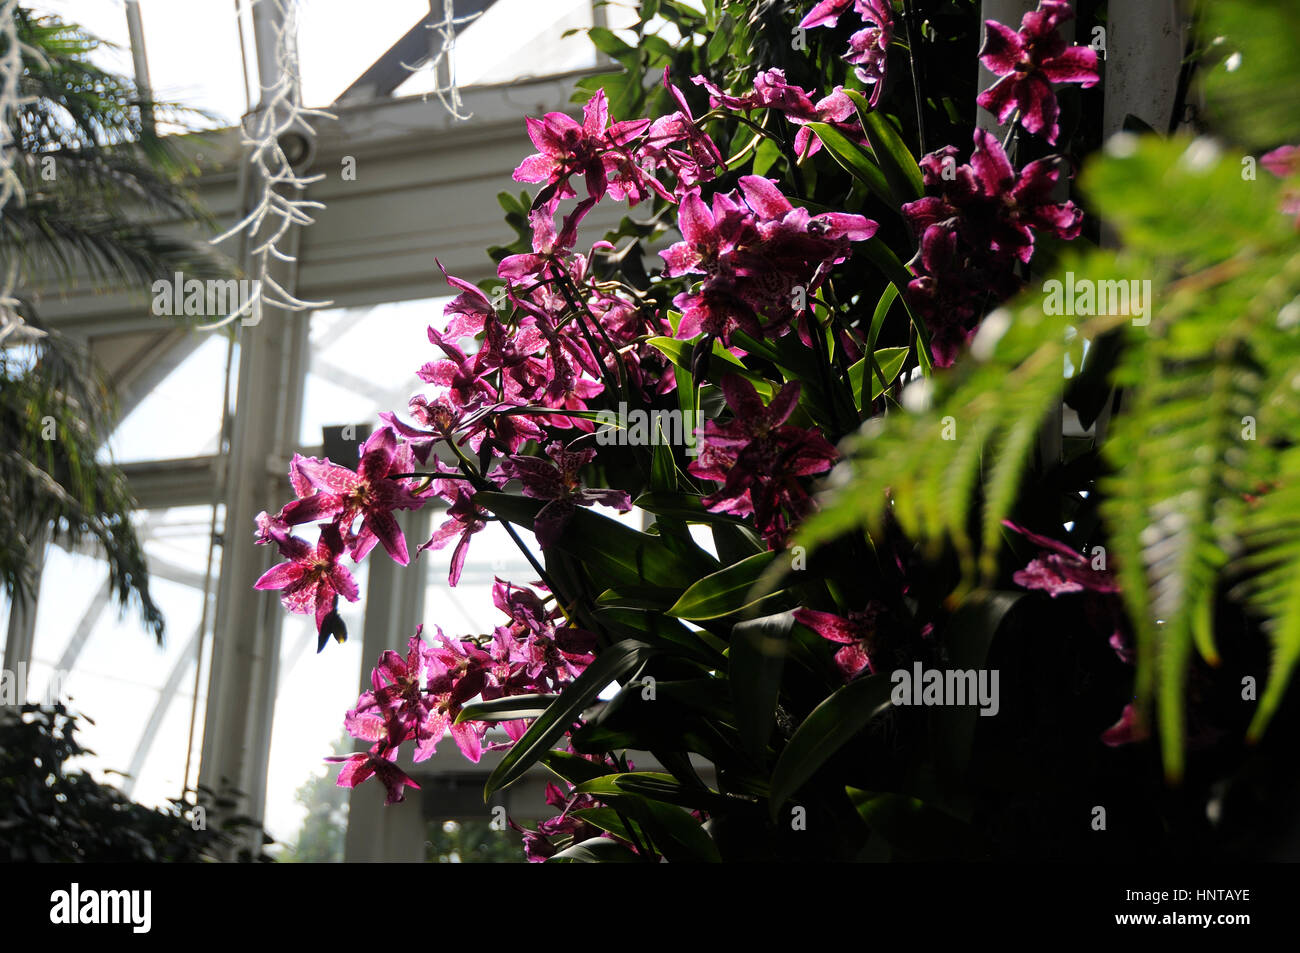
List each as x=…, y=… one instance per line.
x=908, y=16
x=569, y=291
x=787, y=150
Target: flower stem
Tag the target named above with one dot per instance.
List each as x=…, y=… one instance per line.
x=908, y=16
x=569, y=291
x=514, y=535
x=1011, y=130
x=786, y=150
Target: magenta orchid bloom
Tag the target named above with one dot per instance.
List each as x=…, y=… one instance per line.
x=1059, y=569
x=1029, y=62
x=566, y=147
x=974, y=231
x=1128, y=730
x=708, y=237
x=464, y=676
x=990, y=203
x=378, y=762
x=550, y=248
x=540, y=846
x=815, y=234
x=825, y=13
x=754, y=252
x=854, y=634
x=771, y=91
x=311, y=579
x=397, y=708
x=695, y=164
x=460, y=375
x=466, y=312
x=465, y=519
x=548, y=654
x=953, y=289
x=515, y=353
x=439, y=417
x=557, y=480
x=758, y=459
x=310, y=505
x=368, y=492
x=1284, y=162
x=269, y=528
x=419, y=697
x=869, y=46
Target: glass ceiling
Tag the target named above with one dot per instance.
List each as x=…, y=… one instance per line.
x=363, y=360
x=180, y=416
x=517, y=39
x=194, y=50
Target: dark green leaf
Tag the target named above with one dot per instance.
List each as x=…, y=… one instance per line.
x=967, y=638
x=884, y=258
x=611, y=664
x=889, y=360
x=725, y=592
x=663, y=470
x=609, y=44
x=679, y=352
x=611, y=551
x=654, y=786
x=573, y=768
x=826, y=729
x=856, y=160
x=597, y=850
x=896, y=161
x=914, y=830
x=766, y=155
x=677, y=835
x=506, y=709
x=681, y=506
x=758, y=651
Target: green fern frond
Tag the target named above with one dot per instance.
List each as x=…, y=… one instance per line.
x=1210, y=378
x=929, y=468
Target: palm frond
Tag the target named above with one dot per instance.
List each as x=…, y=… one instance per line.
x=54, y=414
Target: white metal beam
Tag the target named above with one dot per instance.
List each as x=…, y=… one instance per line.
x=246, y=632
x=425, y=187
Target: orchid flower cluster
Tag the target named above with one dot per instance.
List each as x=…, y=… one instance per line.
x=977, y=223
x=518, y=375
x=868, y=47
x=771, y=91
x=974, y=230
x=566, y=338
x=418, y=698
